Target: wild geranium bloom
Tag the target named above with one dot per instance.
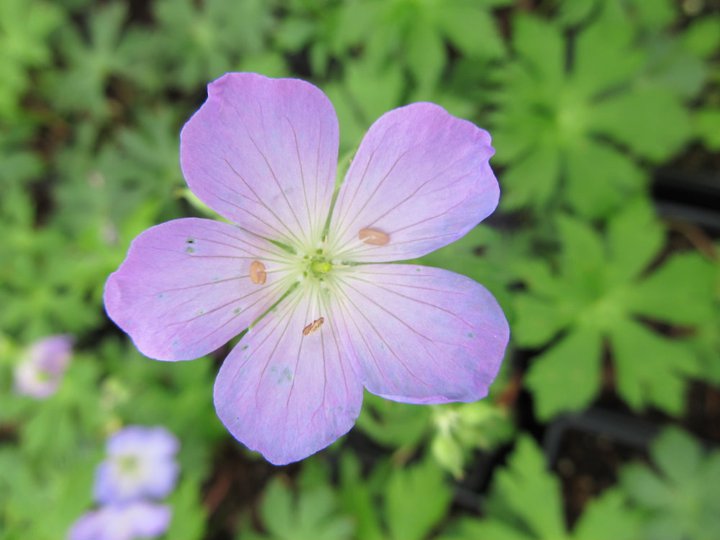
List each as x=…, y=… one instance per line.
x=326, y=316
x=42, y=367
x=122, y=522
x=140, y=463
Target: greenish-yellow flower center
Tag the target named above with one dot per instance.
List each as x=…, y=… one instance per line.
x=319, y=267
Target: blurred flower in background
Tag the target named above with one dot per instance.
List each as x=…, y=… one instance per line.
x=138, y=519
x=140, y=463
x=40, y=372
x=140, y=469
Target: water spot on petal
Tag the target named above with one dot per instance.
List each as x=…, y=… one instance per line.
x=285, y=376
x=470, y=335
x=189, y=249
x=237, y=310
x=258, y=275
x=374, y=237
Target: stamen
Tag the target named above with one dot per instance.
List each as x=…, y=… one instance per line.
x=258, y=275
x=313, y=326
x=373, y=237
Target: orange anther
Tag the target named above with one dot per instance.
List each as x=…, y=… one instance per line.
x=258, y=275
x=373, y=237
x=313, y=326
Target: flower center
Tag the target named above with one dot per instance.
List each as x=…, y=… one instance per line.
x=128, y=464
x=318, y=265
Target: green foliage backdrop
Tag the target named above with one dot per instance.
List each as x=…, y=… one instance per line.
x=613, y=303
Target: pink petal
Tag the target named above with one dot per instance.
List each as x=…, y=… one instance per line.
x=421, y=334
x=263, y=153
x=184, y=289
x=420, y=176
x=285, y=394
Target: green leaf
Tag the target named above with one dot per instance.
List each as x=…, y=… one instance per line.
x=277, y=508
x=532, y=180
x=650, y=370
x=25, y=29
x=530, y=492
x=567, y=376
x=572, y=12
x=474, y=529
x=538, y=320
x=313, y=515
x=188, y=513
x=651, y=121
x=677, y=455
x=542, y=46
x=356, y=20
x=702, y=37
x=410, y=512
x=706, y=122
x=645, y=487
x=599, y=178
x=471, y=29
x=357, y=496
x=678, y=292
x=603, y=56
x=364, y=95
x=681, y=500
x=392, y=423
x=657, y=14
x=91, y=60
x=608, y=517
x=635, y=238
x=673, y=68
x=583, y=254
x=425, y=52
x=194, y=43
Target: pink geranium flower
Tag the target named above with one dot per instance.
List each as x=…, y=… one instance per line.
x=326, y=315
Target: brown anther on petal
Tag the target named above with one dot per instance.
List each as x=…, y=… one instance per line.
x=313, y=326
x=373, y=237
x=258, y=275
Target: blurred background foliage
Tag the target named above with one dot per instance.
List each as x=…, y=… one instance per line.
x=606, y=121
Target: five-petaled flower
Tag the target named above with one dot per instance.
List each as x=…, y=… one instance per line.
x=306, y=272
x=140, y=463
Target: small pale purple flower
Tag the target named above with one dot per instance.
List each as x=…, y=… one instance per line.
x=140, y=463
x=41, y=370
x=122, y=522
x=306, y=272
